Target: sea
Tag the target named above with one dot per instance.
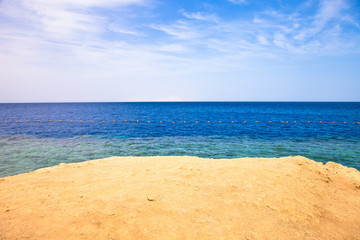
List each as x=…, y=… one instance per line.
x=37, y=135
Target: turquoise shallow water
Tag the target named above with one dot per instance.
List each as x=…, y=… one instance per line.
x=24, y=153
x=33, y=136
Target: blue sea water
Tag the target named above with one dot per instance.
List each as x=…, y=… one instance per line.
x=38, y=135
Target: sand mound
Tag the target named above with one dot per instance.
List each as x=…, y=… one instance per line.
x=183, y=198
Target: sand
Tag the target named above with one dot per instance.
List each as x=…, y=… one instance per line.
x=183, y=198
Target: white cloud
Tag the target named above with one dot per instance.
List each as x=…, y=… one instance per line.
x=74, y=41
x=237, y=1
x=328, y=10
x=60, y=19
x=81, y=3
x=262, y=39
x=174, y=48
x=123, y=30
x=201, y=16
x=257, y=20
x=180, y=30
x=79, y=23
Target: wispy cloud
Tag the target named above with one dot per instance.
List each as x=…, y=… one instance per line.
x=124, y=30
x=201, y=16
x=237, y=1
x=180, y=29
x=107, y=40
x=328, y=10
x=63, y=19
x=73, y=21
x=270, y=32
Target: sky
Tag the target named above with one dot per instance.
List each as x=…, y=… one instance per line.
x=179, y=50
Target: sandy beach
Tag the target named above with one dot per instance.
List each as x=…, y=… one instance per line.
x=183, y=198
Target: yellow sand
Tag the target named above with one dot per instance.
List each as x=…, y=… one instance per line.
x=183, y=198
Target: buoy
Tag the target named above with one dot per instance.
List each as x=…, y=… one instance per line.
x=282, y=121
x=27, y=120
x=16, y=121
x=184, y=121
x=269, y=121
x=208, y=121
x=70, y=120
x=103, y=121
x=137, y=120
x=244, y=121
x=81, y=121
x=219, y=121
x=320, y=121
x=92, y=121
x=344, y=122
x=257, y=121
x=173, y=122
x=38, y=120
x=332, y=122
x=308, y=121
x=148, y=121
x=294, y=121
x=196, y=122
x=160, y=121
x=286, y=122
x=232, y=121
x=5, y=121
x=50, y=121
x=126, y=121
x=114, y=121
x=61, y=120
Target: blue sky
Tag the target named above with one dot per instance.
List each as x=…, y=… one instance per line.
x=152, y=50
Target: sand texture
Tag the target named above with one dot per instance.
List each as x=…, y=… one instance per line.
x=183, y=198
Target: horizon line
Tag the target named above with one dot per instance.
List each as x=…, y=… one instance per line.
x=184, y=101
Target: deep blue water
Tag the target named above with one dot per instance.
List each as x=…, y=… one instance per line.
x=211, y=129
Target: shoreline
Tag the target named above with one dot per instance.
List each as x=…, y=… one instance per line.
x=183, y=198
